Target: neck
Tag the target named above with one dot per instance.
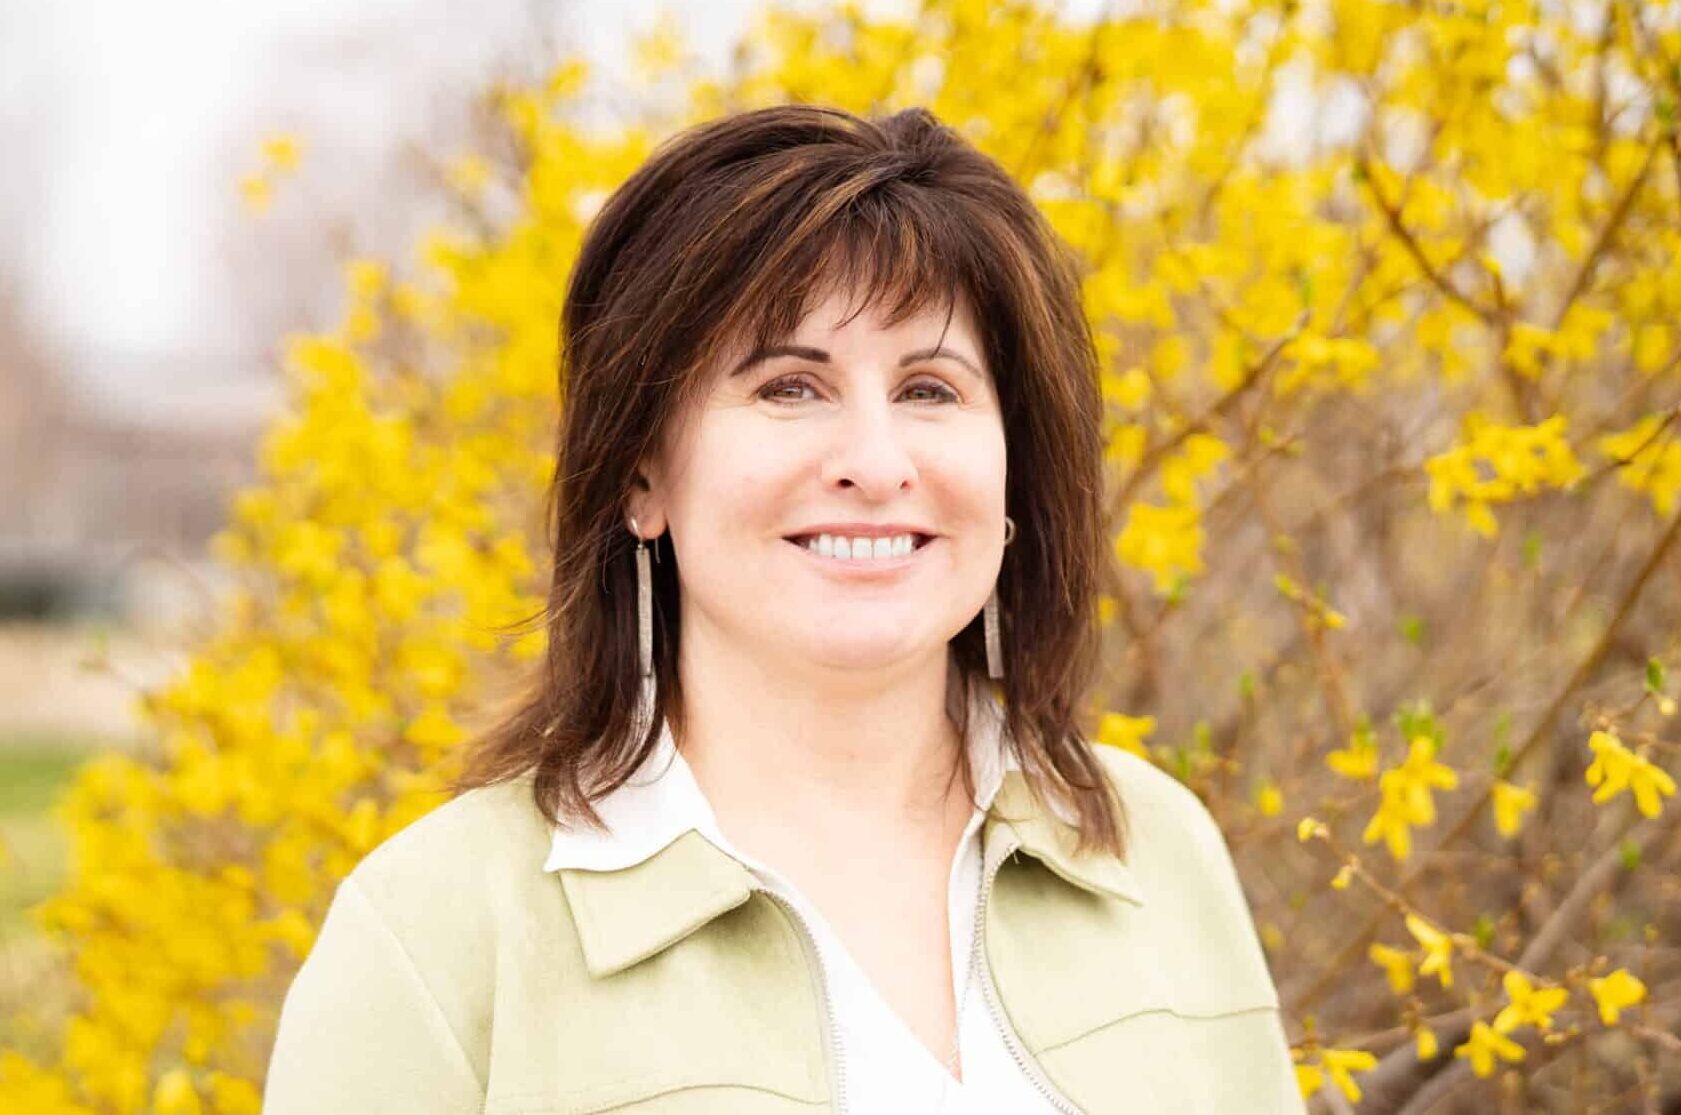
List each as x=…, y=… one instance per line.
x=881, y=751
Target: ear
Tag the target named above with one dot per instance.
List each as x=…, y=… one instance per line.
x=646, y=502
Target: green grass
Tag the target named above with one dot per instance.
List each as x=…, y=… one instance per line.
x=34, y=772
x=36, y=988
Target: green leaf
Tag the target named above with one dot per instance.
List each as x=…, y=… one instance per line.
x=1628, y=854
x=1654, y=676
x=1412, y=629
x=1484, y=931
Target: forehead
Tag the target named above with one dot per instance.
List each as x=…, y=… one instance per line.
x=840, y=311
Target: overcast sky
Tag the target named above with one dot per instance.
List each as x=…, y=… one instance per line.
x=124, y=128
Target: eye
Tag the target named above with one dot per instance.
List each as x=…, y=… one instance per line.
x=783, y=383
x=942, y=392
x=775, y=388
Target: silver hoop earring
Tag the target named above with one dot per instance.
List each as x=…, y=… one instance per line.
x=644, y=632
x=994, y=638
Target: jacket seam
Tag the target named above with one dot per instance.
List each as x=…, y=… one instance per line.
x=1263, y=1007
x=543, y=1103
x=413, y=972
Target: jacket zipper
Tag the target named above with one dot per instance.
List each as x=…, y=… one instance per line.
x=1024, y=1060
x=836, y=1054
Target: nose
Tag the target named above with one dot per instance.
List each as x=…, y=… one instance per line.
x=868, y=448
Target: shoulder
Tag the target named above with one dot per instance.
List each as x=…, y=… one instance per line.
x=477, y=856
x=1159, y=807
x=1186, y=870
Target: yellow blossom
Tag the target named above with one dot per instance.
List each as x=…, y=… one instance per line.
x=1396, y=964
x=1615, y=768
x=1428, y=1046
x=283, y=152
x=1510, y=803
x=1359, y=760
x=1406, y=797
x=1529, y=1005
x=1615, y=993
x=1339, y=1065
x=1485, y=1045
x=1438, y=949
x=1116, y=729
x=256, y=192
x=1165, y=542
x=175, y=1094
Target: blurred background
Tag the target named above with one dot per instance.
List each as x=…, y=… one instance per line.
x=145, y=282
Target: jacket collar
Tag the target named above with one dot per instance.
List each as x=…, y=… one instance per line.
x=662, y=870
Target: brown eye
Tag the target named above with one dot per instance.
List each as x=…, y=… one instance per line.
x=771, y=389
x=942, y=393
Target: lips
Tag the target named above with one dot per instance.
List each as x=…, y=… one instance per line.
x=917, y=540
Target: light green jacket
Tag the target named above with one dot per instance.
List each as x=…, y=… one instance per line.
x=453, y=974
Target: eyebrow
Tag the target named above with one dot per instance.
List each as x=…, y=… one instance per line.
x=806, y=352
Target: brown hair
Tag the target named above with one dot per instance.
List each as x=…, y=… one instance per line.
x=732, y=229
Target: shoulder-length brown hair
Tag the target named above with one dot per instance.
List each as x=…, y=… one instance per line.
x=730, y=230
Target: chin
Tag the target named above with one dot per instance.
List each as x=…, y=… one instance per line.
x=823, y=649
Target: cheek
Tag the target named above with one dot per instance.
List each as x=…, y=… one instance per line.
x=732, y=484
x=970, y=471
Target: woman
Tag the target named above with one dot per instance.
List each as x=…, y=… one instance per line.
x=752, y=844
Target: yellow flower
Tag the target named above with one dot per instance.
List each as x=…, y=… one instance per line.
x=1529, y=1004
x=1390, y=823
x=1421, y=773
x=282, y=152
x=175, y=1094
x=1615, y=992
x=1428, y=1046
x=1398, y=965
x=256, y=192
x=1309, y=827
x=1163, y=541
x=1615, y=768
x=1510, y=803
x=1117, y=729
x=1309, y=1079
x=1269, y=799
x=1339, y=1063
x=1485, y=1045
x=1359, y=761
x=1406, y=797
x=1438, y=949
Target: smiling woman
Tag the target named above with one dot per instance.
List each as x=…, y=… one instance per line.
x=750, y=842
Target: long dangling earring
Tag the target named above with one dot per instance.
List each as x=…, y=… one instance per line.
x=644, y=632
x=994, y=643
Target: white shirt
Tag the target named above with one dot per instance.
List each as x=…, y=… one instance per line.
x=887, y=1068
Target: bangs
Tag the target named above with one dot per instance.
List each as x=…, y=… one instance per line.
x=890, y=248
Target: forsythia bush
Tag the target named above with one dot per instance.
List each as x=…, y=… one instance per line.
x=1389, y=296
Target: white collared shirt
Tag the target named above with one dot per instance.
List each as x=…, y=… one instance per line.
x=887, y=1068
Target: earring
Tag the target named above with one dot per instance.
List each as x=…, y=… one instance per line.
x=644, y=631
x=994, y=643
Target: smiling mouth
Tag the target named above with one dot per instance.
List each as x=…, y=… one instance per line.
x=803, y=541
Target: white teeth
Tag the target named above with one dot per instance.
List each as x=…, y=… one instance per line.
x=861, y=549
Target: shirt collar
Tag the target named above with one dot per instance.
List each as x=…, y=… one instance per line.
x=661, y=871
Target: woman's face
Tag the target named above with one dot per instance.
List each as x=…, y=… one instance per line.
x=861, y=431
